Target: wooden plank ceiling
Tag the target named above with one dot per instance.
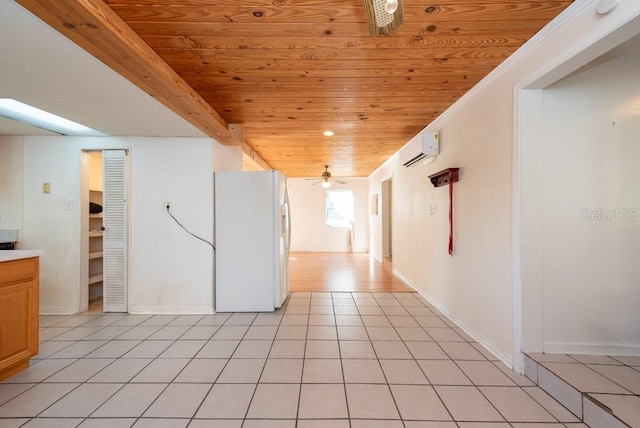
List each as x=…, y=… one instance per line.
x=287, y=70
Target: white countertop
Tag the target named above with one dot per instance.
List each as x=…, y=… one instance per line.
x=6, y=255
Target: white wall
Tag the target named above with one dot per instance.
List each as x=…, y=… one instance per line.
x=47, y=225
x=587, y=38
x=472, y=286
x=309, y=231
x=169, y=271
x=174, y=271
x=11, y=183
x=475, y=287
x=227, y=158
x=591, y=154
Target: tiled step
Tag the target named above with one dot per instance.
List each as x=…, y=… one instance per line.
x=571, y=383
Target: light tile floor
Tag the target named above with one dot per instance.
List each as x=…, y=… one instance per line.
x=323, y=360
x=603, y=390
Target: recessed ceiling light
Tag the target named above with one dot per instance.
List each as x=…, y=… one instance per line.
x=15, y=110
x=328, y=133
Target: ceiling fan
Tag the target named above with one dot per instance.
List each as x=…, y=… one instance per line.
x=325, y=179
x=383, y=16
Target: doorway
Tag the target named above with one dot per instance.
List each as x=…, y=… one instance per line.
x=573, y=182
x=387, y=220
x=103, y=271
x=95, y=243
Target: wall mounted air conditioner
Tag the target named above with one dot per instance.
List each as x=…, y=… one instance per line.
x=423, y=145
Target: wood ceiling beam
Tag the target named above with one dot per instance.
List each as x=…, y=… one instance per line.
x=238, y=130
x=97, y=29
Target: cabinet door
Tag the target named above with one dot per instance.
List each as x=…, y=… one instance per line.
x=18, y=333
x=115, y=231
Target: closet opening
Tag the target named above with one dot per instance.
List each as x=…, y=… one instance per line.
x=104, y=231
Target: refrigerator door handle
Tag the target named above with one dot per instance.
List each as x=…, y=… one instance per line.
x=287, y=224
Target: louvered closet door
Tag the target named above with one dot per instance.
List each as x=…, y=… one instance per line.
x=115, y=231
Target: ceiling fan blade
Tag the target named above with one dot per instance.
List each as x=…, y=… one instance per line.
x=316, y=182
x=339, y=181
x=379, y=20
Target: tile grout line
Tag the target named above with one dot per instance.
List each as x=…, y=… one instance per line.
x=395, y=402
x=344, y=379
x=157, y=357
x=204, y=397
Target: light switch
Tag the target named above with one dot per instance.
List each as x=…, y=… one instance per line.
x=46, y=187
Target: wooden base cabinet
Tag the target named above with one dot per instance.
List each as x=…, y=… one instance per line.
x=19, y=311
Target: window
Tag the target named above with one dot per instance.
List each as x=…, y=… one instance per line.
x=339, y=208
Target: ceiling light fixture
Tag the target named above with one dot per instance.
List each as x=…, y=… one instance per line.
x=383, y=16
x=391, y=6
x=326, y=184
x=328, y=133
x=21, y=112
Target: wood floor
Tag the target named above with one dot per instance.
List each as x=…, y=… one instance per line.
x=347, y=272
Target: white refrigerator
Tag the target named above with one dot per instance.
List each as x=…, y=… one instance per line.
x=252, y=237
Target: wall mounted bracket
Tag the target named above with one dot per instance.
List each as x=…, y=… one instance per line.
x=444, y=177
x=447, y=177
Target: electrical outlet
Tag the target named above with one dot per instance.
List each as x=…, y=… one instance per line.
x=166, y=205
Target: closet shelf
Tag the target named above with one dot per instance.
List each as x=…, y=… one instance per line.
x=96, y=215
x=96, y=255
x=95, y=279
x=95, y=233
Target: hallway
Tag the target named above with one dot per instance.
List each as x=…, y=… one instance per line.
x=346, y=272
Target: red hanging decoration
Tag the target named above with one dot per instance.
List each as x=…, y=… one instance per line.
x=442, y=178
x=451, y=217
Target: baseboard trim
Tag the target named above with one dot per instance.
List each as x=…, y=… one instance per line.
x=622, y=349
x=58, y=310
x=479, y=337
x=171, y=310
